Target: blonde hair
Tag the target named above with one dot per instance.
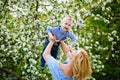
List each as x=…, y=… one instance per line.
x=81, y=66
x=66, y=17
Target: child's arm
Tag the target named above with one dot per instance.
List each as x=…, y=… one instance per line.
x=50, y=35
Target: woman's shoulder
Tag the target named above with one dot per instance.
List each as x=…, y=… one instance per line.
x=66, y=71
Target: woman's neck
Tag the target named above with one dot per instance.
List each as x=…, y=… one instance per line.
x=67, y=69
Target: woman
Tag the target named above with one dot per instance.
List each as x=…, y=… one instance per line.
x=77, y=68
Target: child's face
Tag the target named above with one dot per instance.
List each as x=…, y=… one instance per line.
x=66, y=24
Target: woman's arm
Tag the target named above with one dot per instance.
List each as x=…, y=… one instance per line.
x=47, y=50
x=65, y=48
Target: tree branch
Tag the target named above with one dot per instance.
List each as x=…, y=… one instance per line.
x=5, y=2
x=10, y=72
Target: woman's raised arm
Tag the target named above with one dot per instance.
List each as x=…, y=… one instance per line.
x=48, y=48
x=64, y=47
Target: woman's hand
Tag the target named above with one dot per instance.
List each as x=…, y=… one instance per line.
x=50, y=36
x=53, y=39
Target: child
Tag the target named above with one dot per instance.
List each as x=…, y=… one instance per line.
x=60, y=32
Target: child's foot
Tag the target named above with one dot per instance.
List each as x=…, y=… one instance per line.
x=41, y=68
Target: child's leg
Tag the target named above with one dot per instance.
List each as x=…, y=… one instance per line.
x=54, y=51
x=42, y=61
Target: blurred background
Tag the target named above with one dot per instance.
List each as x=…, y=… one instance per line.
x=96, y=25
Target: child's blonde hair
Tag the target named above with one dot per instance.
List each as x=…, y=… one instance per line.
x=66, y=17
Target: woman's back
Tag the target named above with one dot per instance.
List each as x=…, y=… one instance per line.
x=55, y=69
